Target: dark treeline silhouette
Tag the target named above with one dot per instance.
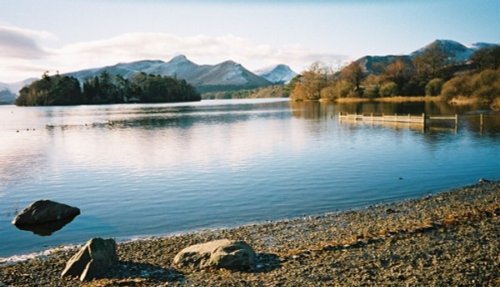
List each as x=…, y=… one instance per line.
x=429, y=73
x=105, y=89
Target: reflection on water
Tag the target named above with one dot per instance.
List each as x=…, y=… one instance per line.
x=469, y=118
x=138, y=170
x=46, y=229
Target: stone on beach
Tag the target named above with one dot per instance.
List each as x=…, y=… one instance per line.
x=93, y=259
x=45, y=211
x=224, y=253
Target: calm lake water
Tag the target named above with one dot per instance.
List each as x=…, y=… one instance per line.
x=140, y=170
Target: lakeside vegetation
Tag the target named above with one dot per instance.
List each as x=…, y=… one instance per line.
x=105, y=89
x=274, y=91
x=430, y=73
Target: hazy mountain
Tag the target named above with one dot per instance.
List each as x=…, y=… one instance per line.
x=15, y=87
x=227, y=75
x=279, y=74
x=6, y=96
x=4, y=86
x=9, y=91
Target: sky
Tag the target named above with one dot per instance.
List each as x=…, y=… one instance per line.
x=63, y=36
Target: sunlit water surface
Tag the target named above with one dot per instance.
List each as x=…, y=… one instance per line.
x=140, y=170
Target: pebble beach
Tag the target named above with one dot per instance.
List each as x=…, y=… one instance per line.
x=447, y=239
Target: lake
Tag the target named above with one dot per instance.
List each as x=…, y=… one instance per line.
x=142, y=170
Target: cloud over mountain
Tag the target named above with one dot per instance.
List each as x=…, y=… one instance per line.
x=24, y=44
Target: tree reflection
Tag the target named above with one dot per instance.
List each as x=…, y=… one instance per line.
x=469, y=116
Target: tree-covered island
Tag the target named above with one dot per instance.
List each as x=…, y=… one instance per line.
x=105, y=89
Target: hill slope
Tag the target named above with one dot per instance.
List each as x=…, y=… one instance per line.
x=455, y=52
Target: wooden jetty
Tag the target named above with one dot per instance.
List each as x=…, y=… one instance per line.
x=422, y=120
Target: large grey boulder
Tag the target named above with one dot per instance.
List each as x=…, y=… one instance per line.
x=45, y=211
x=224, y=253
x=93, y=259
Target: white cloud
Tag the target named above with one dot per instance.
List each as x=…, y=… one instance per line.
x=21, y=43
x=21, y=54
x=201, y=49
x=128, y=47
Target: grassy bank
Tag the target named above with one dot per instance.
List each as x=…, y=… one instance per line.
x=448, y=239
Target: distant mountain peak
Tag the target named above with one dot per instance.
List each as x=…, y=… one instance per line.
x=446, y=42
x=277, y=74
x=179, y=58
x=229, y=63
x=448, y=45
x=455, y=51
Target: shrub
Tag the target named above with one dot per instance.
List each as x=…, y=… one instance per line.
x=433, y=87
x=389, y=89
x=329, y=93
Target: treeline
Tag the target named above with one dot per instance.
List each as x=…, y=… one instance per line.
x=430, y=73
x=274, y=91
x=105, y=89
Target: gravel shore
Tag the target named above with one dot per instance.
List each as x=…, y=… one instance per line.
x=448, y=239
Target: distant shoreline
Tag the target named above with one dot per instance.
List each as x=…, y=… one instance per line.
x=459, y=101
x=433, y=240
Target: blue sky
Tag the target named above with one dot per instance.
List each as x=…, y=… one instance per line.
x=69, y=35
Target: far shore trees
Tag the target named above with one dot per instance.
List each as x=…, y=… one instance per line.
x=308, y=87
x=51, y=90
x=105, y=89
x=430, y=73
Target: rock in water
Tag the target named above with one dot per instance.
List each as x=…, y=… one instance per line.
x=44, y=211
x=483, y=180
x=93, y=259
x=224, y=253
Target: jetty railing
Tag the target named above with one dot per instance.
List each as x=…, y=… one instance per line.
x=407, y=118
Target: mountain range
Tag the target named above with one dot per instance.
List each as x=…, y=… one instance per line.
x=224, y=76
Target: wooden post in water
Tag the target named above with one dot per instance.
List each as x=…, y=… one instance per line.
x=481, y=123
x=423, y=122
x=456, y=123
